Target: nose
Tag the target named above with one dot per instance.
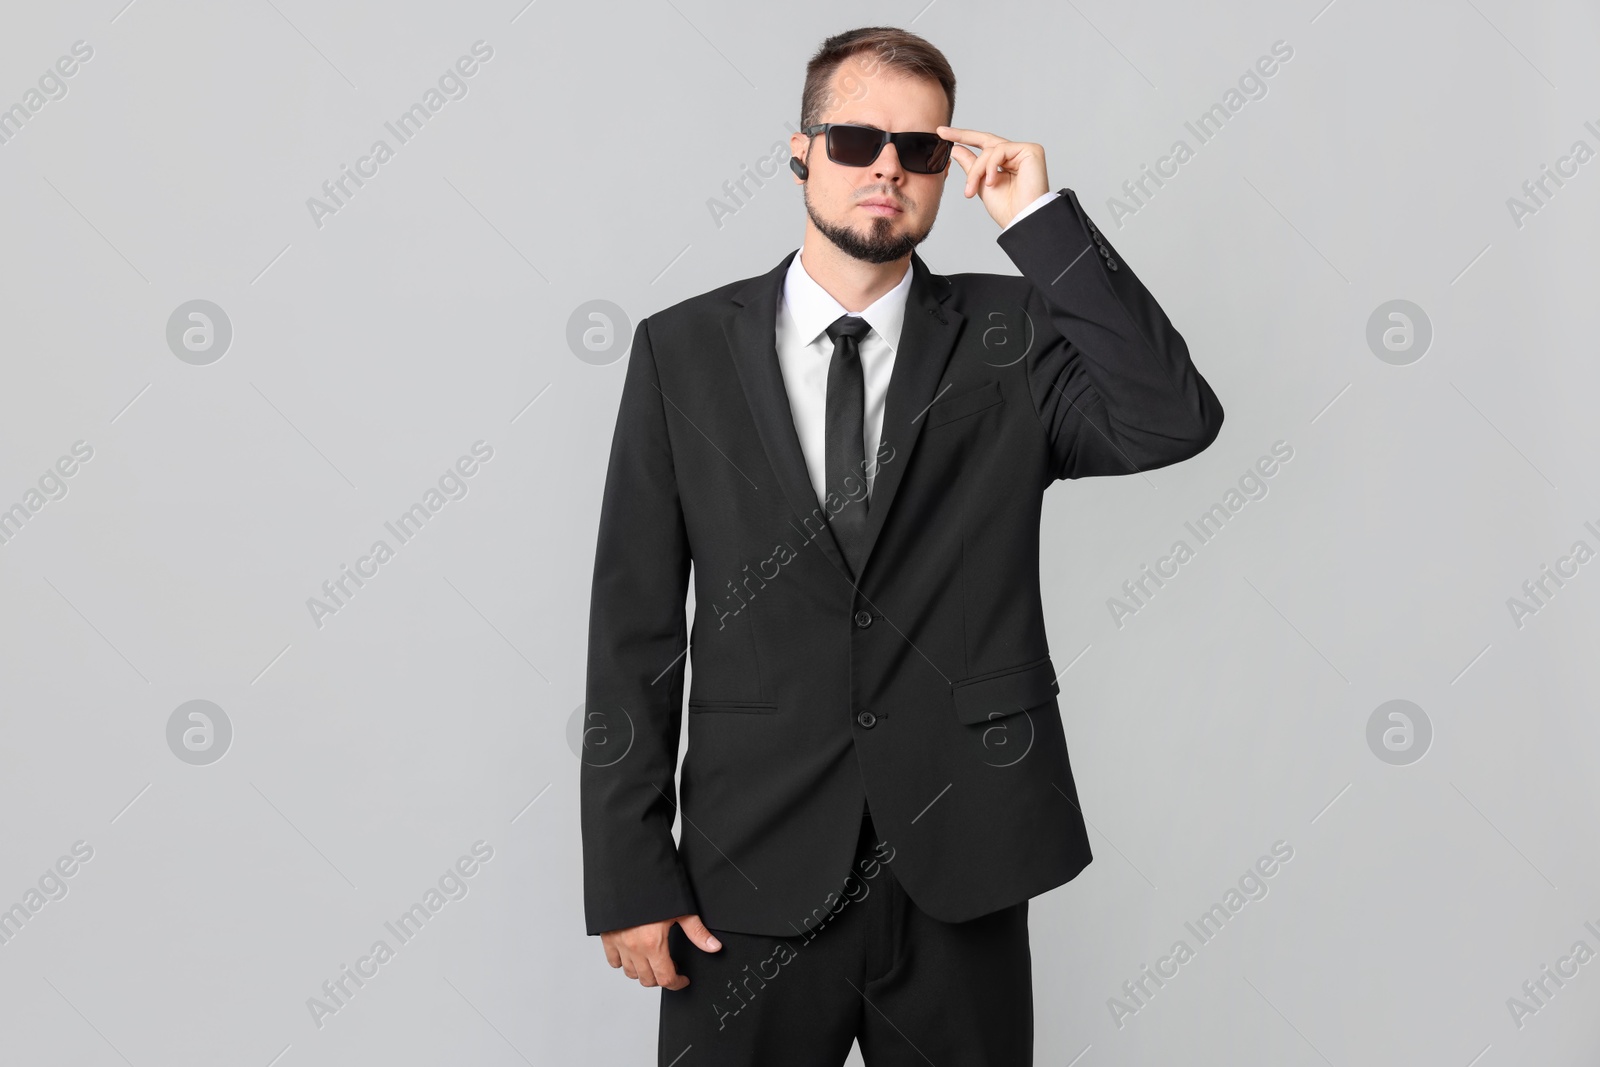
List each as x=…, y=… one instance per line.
x=887, y=165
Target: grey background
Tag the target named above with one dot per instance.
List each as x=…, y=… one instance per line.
x=432, y=312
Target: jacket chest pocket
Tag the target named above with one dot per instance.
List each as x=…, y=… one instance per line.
x=1001, y=693
x=965, y=404
x=738, y=707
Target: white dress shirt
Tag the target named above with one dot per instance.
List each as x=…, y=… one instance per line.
x=805, y=351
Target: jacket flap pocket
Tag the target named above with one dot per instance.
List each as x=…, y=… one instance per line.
x=1007, y=692
x=986, y=395
x=749, y=707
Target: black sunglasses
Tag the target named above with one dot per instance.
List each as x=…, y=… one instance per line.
x=857, y=146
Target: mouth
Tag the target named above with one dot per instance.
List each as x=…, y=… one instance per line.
x=878, y=206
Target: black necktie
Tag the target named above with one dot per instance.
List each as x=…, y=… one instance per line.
x=845, y=455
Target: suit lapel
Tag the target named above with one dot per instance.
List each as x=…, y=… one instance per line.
x=927, y=338
x=752, y=338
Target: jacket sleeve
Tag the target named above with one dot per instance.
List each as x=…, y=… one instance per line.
x=633, y=708
x=1110, y=377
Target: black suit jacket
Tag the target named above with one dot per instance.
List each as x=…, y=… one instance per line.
x=918, y=681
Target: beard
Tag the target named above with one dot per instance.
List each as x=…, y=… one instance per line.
x=880, y=244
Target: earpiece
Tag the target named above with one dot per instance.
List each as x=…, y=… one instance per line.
x=797, y=165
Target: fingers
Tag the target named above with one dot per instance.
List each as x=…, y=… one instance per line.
x=986, y=167
x=663, y=973
x=645, y=956
x=696, y=930
x=977, y=137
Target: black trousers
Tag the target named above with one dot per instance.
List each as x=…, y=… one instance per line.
x=866, y=965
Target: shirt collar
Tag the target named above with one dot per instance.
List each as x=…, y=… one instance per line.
x=812, y=309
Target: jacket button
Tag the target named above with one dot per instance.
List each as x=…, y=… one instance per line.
x=863, y=619
x=1111, y=263
x=867, y=719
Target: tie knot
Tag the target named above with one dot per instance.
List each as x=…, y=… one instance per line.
x=852, y=326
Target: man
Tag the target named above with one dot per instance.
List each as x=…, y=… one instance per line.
x=852, y=451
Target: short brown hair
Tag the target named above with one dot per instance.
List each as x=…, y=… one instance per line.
x=897, y=49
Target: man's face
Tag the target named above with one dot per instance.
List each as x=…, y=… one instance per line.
x=843, y=202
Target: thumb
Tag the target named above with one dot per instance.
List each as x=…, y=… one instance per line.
x=697, y=932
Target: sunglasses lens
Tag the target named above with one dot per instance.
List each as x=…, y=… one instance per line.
x=922, y=153
x=853, y=146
